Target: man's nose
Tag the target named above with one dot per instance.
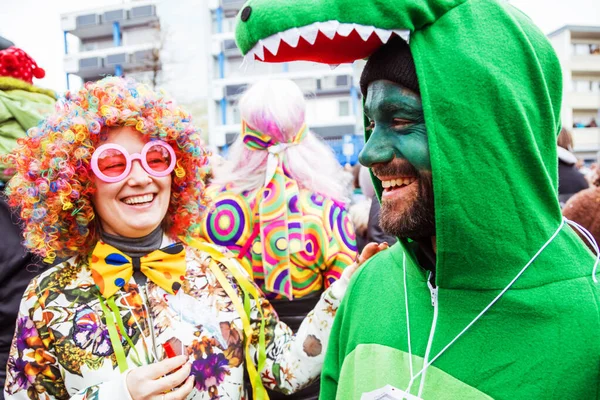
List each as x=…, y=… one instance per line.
x=376, y=151
x=138, y=175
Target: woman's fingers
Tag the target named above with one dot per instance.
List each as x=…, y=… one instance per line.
x=370, y=250
x=171, y=381
x=165, y=366
x=152, y=380
x=181, y=392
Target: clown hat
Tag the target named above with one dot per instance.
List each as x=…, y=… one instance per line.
x=15, y=63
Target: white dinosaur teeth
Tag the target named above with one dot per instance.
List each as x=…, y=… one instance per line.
x=310, y=34
x=333, y=66
x=403, y=33
x=329, y=28
x=345, y=30
x=383, y=35
x=272, y=44
x=291, y=36
x=259, y=51
x=364, y=31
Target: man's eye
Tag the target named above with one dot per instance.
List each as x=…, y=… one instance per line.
x=401, y=122
x=371, y=126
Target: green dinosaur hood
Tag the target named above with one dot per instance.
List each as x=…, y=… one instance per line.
x=491, y=89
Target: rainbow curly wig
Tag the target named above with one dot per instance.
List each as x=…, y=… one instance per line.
x=54, y=182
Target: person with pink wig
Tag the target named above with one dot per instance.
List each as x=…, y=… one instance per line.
x=112, y=183
x=280, y=205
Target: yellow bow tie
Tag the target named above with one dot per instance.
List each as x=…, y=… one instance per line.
x=112, y=269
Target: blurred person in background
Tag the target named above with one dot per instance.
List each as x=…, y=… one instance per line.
x=280, y=205
x=359, y=211
x=584, y=208
x=365, y=215
x=570, y=179
x=22, y=106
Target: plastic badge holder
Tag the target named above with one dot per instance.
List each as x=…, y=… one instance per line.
x=388, y=392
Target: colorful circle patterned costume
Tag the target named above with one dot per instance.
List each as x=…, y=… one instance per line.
x=319, y=252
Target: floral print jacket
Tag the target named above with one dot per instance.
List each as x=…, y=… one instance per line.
x=62, y=348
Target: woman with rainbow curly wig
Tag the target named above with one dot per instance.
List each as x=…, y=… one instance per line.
x=111, y=189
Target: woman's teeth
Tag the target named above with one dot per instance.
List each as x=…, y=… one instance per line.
x=390, y=184
x=138, y=199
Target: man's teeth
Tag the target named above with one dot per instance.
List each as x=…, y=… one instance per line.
x=309, y=33
x=139, y=199
x=397, y=182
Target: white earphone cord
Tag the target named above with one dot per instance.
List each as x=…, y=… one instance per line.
x=581, y=229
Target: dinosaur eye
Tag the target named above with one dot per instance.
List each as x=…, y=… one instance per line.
x=246, y=13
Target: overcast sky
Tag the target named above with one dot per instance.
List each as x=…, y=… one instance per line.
x=34, y=25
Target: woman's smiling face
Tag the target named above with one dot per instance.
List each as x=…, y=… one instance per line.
x=136, y=205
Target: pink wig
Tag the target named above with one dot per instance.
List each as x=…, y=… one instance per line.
x=277, y=109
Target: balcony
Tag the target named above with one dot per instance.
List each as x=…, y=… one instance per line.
x=91, y=64
x=232, y=6
x=582, y=100
x=586, y=139
x=256, y=73
x=586, y=64
x=99, y=22
x=230, y=49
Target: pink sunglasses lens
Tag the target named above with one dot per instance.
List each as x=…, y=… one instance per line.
x=158, y=158
x=112, y=162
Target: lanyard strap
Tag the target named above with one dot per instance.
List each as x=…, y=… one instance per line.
x=428, y=363
x=248, y=289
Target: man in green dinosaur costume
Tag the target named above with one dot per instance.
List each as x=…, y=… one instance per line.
x=488, y=294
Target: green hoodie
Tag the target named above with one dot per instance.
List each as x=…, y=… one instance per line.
x=491, y=90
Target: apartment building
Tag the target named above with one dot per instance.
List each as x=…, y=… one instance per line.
x=578, y=48
x=115, y=40
x=333, y=109
x=159, y=42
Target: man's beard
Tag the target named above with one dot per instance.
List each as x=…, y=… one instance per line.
x=418, y=220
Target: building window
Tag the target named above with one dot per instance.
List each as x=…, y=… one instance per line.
x=341, y=81
x=586, y=49
x=586, y=86
x=344, y=108
x=235, y=111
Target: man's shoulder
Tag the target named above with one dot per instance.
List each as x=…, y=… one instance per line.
x=378, y=273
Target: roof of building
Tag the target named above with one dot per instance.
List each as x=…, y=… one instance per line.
x=576, y=28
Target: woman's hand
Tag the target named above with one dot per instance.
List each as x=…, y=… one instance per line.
x=155, y=381
x=369, y=251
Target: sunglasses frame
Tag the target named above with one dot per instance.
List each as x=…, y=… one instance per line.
x=130, y=158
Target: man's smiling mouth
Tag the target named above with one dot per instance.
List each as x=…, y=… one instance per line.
x=391, y=184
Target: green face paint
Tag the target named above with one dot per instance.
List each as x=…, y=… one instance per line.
x=397, y=152
x=397, y=127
